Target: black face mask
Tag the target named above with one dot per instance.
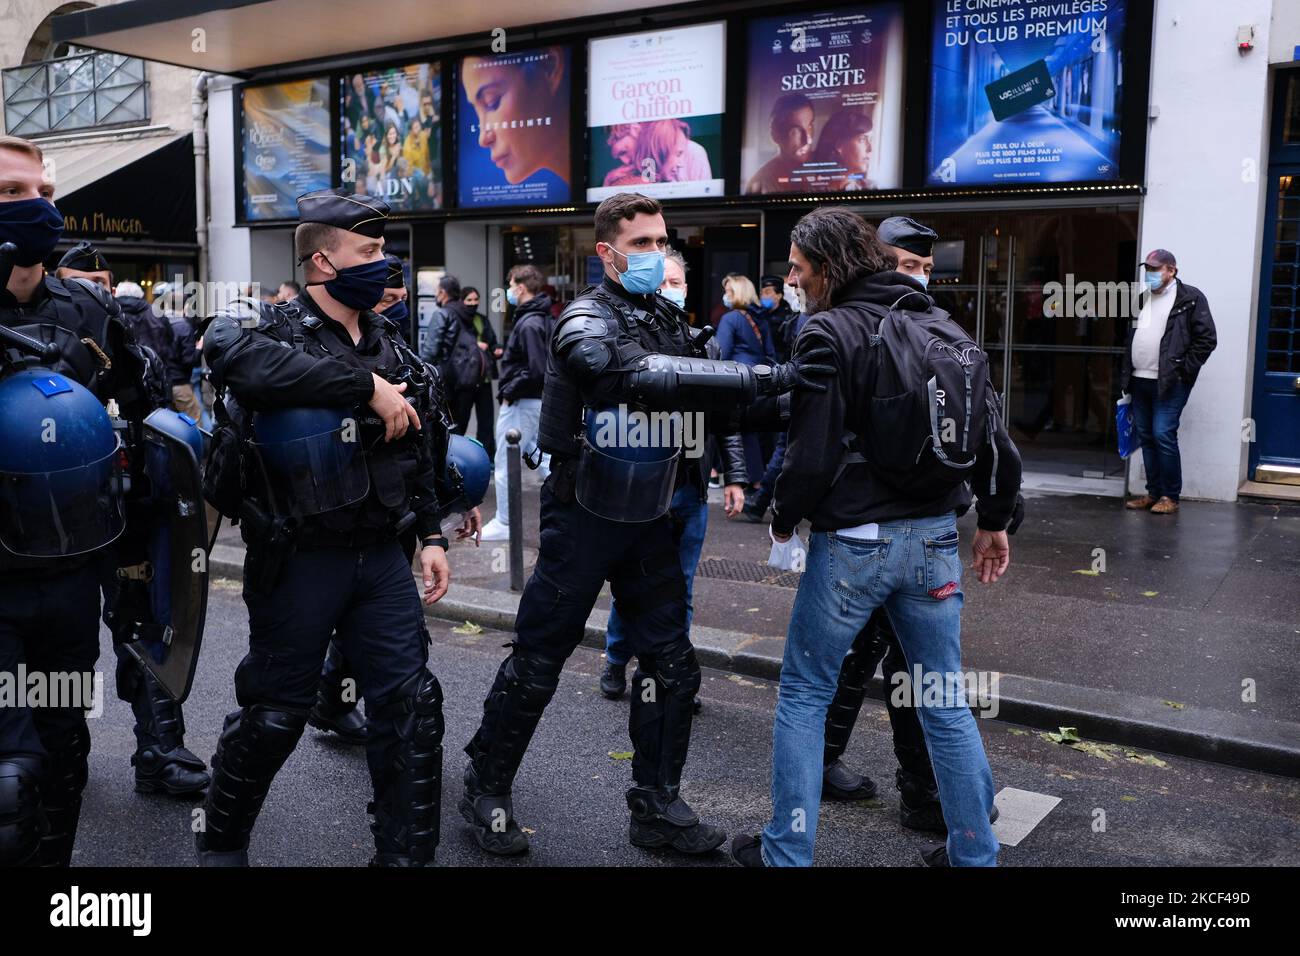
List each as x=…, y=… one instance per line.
x=358, y=287
x=398, y=312
x=33, y=225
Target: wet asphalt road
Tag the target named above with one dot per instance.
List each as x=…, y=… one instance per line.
x=569, y=793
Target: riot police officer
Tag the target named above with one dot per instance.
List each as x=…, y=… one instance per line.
x=335, y=710
x=618, y=350
x=336, y=465
x=162, y=762
x=66, y=356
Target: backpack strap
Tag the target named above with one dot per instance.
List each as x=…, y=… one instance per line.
x=850, y=456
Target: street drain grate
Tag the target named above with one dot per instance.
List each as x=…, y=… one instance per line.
x=750, y=572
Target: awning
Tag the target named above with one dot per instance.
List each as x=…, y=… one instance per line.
x=138, y=190
x=76, y=162
x=240, y=36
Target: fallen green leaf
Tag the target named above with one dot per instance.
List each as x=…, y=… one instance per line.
x=1066, y=735
x=621, y=754
x=469, y=627
x=1128, y=799
x=1088, y=571
x=1150, y=593
x=1170, y=703
x=1018, y=733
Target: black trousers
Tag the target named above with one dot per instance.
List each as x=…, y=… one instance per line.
x=479, y=401
x=51, y=626
x=364, y=596
x=578, y=553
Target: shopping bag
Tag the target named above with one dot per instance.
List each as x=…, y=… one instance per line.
x=1124, y=429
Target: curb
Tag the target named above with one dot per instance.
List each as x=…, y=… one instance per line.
x=1107, y=716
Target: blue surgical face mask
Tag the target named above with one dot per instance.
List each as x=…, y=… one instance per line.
x=676, y=296
x=645, y=271
x=922, y=278
x=398, y=312
x=726, y=300
x=768, y=302
x=1154, y=279
x=358, y=287
x=511, y=297
x=33, y=225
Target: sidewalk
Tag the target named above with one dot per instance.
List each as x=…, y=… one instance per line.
x=1191, y=614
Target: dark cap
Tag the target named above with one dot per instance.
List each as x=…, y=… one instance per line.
x=1160, y=257
x=907, y=234
x=775, y=282
x=84, y=257
x=358, y=213
x=396, y=279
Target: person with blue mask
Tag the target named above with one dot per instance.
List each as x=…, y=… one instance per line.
x=625, y=375
x=1167, y=346
x=689, y=506
x=745, y=336
x=912, y=244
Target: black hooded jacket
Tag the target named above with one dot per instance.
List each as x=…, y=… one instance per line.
x=807, y=487
x=151, y=329
x=523, y=364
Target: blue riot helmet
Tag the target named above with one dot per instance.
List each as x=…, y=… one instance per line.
x=312, y=458
x=627, y=467
x=60, y=467
x=465, y=476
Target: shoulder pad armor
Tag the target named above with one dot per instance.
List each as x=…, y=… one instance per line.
x=573, y=328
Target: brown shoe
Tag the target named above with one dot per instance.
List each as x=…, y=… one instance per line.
x=1165, y=506
x=1140, y=504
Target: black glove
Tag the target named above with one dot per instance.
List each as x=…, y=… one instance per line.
x=802, y=371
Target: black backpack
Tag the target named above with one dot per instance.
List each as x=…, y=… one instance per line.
x=931, y=410
x=467, y=366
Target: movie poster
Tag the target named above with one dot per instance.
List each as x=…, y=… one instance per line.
x=513, y=128
x=392, y=136
x=286, y=146
x=654, y=106
x=1026, y=92
x=824, y=102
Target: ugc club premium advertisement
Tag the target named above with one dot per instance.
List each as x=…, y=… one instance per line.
x=824, y=102
x=286, y=143
x=1026, y=91
x=392, y=135
x=513, y=128
x=654, y=106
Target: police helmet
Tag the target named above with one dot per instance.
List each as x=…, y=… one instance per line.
x=465, y=476
x=60, y=467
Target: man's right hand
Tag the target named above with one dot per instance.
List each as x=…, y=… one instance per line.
x=396, y=411
x=992, y=553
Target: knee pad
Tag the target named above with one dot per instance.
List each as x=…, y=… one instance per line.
x=21, y=825
x=419, y=701
x=676, y=670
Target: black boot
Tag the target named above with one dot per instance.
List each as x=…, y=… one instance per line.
x=613, y=681
x=332, y=712
x=660, y=728
x=161, y=761
x=919, y=807
x=254, y=745
x=408, y=802
x=65, y=778
x=841, y=783
x=524, y=685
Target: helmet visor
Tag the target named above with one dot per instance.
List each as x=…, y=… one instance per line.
x=309, y=476
x=60, y=513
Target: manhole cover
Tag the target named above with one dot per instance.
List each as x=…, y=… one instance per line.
x=750, y=572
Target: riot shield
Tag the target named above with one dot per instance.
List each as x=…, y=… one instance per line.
x=163, y=583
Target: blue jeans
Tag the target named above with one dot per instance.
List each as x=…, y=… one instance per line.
x=1155, y=419
x=768, y=485
x=905, y=570
x=524, y=414
x=688, y=507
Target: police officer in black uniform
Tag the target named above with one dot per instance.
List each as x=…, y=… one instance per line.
x=162, y=762
x=335, y=710
x=50, y=590
x=312, y=572
x=616, y=345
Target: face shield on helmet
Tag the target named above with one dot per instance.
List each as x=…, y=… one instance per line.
x=312, y=458
x=60, y=468
x=627, y=467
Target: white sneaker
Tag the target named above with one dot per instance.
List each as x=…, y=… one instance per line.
x=494, y=530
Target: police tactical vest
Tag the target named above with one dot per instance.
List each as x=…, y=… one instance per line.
x=632, y=333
